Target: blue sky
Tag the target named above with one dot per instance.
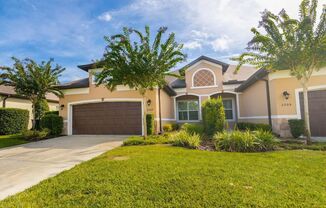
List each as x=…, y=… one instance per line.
x=71, y=31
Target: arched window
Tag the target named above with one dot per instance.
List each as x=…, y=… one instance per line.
x=203, y=78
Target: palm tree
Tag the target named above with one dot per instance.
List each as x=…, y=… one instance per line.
x=290, y=44
x=32, y=80
x=138, y=63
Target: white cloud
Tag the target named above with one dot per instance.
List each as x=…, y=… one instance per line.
x=106, y=16
x=192, y=45
x=221, y=44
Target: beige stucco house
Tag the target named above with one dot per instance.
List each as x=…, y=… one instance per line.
x=10, y=99
x=250, y=95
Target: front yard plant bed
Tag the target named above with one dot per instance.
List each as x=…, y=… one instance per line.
x=167, y=176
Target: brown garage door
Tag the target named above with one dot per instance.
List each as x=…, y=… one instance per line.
x=107, y=118
x=317, y=112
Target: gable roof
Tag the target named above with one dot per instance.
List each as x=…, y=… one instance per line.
x=252, y=80
x=80, y=83
x=10, y=91
x=89, y=66
x=205, y=58
x=178, y=83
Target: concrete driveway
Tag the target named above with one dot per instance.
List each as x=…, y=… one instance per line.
x=26, y=165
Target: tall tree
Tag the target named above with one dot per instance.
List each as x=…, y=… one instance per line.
x=133, y=60
x=32, y=80
x=297, y=45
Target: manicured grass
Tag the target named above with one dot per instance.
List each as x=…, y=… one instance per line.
x=165, y=176
x=11, y=140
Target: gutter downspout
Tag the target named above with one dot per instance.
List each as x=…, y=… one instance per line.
x=268, y=102
x=159, y=109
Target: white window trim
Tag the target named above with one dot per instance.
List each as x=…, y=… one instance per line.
x=233, y=108
x=185, y=121
x=201, y=87
x=71, y=104
x=175, y=105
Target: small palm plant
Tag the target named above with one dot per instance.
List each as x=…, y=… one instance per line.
x=290, y=44
x=31, y=80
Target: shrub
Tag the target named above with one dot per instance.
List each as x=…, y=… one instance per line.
x=139, y=140
x=245, y=141
x=297, y=127
x=51, y=112
x=36, y=135
x=213, y=116
x=243, y=126
x=54, y=123
x=266, y=141
x=235, y=141
x=184, y=139
x=13, y=120
x=150, y=124
x=193, y=128
x=175, y=127
x=167, y=127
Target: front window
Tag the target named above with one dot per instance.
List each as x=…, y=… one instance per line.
x=228, y=109
x=188, y=110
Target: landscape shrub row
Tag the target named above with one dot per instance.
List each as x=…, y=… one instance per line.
x=243, y=126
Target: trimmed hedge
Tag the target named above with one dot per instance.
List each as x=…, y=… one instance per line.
x=51, y=113
x=243, y=126
x=52, y=122
x=150, y=124
x=297, y=127
x=13, y=120
x=213, y=116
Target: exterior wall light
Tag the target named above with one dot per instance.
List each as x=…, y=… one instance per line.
x=149, y=102
x=286, y=95
x=62, y=106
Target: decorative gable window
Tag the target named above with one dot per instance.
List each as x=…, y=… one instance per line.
x=204, y=78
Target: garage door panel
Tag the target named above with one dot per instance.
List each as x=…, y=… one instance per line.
x=107, y=118
x=317, y=111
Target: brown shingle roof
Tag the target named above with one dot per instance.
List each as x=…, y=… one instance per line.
x=8, y=90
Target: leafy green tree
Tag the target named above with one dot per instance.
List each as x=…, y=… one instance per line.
x=298, y=45
x=133, y=60
x=40, y=108
x=32, y=80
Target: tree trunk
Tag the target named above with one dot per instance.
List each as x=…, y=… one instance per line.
x=34, y=115
x=144, y=116
x=306, y=111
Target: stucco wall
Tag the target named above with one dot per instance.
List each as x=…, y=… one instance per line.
x=253, y=101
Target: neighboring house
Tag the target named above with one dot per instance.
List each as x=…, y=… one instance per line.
x=10, y=99
x=250, y=95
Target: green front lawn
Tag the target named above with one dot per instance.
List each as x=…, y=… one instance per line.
x=165, y=176
x=11, y=140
